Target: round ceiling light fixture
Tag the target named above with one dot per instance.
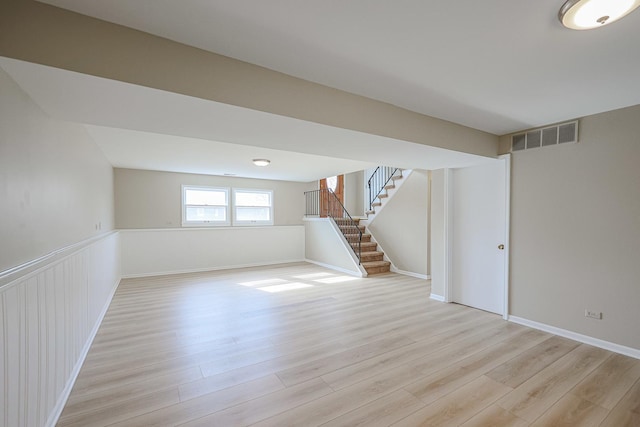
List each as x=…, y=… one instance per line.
x=588, y=14
x=261, y=162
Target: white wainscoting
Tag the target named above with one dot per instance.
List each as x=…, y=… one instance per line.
x=151, y=252
x=51, y=309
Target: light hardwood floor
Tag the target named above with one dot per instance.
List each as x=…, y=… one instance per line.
x=299, y=345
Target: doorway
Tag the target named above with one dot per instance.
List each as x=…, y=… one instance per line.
x=479, y=234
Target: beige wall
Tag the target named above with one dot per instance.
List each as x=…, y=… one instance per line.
x=151, y=199
x=56, y=187
x=401, y=227
x=354, y=193
x=40, y=33
x=575, y=230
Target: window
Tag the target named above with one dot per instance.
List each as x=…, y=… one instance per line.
x=205, y=206
x=332, y=183
x=252, y=207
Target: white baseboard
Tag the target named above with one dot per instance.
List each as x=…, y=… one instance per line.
x=64, y=395
x=201, y=270
x=333, y=267
x=616, y=348
x=436, y=297
x=410, y=273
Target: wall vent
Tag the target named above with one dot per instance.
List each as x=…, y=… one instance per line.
x=543, y=137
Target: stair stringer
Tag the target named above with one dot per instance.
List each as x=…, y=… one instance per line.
x=383, y=201
x=385, y=257
x=354, y=257
x=343, y=242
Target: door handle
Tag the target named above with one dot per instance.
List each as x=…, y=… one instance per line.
x=501, y=247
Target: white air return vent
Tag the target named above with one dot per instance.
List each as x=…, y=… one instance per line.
x=543, y=137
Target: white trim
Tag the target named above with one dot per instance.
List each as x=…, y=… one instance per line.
x=333, y=267
x=227, y=207
x=507, y=228
x=448, y=236
x=73, y=376
x=201, y=270
x=28, y=269
x=596, y=342
x=237, y=223
x=437, y=297
x=410, y=273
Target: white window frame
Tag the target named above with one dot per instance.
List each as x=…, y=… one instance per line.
x=240, y=223
x=227, y=207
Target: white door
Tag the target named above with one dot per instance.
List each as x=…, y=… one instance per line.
x=479, y=233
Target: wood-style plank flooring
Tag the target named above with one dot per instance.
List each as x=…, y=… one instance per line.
x=299, y=345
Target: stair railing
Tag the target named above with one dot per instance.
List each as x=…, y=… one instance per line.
x=324, y=203
x=378, y=181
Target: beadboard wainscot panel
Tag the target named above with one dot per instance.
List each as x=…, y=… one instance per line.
x=150, y=252
x=51, y=309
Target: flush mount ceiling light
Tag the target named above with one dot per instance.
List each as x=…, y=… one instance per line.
x=261, y=162
x=588, y=14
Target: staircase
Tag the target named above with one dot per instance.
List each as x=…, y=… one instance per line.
x=371, y=259
x=389, y=178
x=323, y=203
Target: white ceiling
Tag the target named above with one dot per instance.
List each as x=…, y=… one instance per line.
x=494, y=65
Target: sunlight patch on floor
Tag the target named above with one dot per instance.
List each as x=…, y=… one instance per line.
x=258, y=283
x=313, y=275
x=286, y=287
x=338, y=279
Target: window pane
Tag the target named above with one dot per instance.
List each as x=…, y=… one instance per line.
x=205, y=197
x=253, y=214
x=332, y=183
x=253, y=199
x=209, y=213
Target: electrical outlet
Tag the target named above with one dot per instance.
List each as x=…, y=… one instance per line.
x=593, y=314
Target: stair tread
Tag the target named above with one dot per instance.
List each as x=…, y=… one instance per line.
x=366, y=264
x=371, y=256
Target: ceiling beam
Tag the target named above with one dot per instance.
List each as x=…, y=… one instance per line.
x=44, y=34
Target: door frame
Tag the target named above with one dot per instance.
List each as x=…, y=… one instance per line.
x=448, y=244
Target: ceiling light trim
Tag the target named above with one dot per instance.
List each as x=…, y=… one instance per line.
x=590, y=14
